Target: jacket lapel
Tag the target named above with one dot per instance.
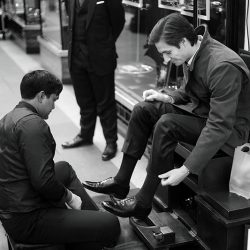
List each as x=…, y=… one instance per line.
x=91, y=9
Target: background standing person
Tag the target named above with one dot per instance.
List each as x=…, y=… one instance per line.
x=94, y=27
x=42, y=201
x=210, y=111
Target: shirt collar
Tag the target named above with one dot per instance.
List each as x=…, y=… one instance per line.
x=199, y=44
x=23, y=104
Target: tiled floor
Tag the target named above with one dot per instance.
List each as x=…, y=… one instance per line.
x=14, y=63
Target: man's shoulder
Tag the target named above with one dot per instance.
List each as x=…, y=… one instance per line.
x=218, y=52
x=26, y=120
x=216, y=55
x=23, y=114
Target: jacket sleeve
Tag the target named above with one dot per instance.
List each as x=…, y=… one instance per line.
x=225, y=86
x=117, y=16
x=37, y=148
x=179, y=95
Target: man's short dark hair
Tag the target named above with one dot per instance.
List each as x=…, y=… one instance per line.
x=40, y=80
x=172, y=29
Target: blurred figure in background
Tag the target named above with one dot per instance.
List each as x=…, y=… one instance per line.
x=94, y=27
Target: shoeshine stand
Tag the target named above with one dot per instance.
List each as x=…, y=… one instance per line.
x=198, y=214
x=161, y=231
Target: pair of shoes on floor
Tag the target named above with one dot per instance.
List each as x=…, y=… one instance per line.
x=108, y=153
x=124, y=208
x=77, y=141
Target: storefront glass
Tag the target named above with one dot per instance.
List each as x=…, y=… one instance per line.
x=55, y=23
x=27, y=11
x=137, y=63
x=132, y=46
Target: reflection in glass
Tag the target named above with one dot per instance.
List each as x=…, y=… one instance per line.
x=134, y=63
x=55, y=22
x=185, y=7
x=32, y=11
x=217, y=23
x=27, y=10
x=132, y=48
x=135, y=3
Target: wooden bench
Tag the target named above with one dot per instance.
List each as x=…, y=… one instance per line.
x=216, y=217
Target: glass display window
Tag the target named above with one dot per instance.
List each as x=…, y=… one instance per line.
x=139, y=65
x=23, y=20
x=135, y=3
x=186, y=7
x=218, y=20
x=55, y=23
x=27, y=11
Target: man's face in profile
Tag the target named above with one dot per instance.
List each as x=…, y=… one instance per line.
x=171, y=53
x=47, y=105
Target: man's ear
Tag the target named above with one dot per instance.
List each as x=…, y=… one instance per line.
x=184, y=41
x=40, y=96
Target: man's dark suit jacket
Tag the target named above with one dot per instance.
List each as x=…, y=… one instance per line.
x=218, y=89
x=105, y=22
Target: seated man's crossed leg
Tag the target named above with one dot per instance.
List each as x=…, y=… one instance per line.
x=168, y=125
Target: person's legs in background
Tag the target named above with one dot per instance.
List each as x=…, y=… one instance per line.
x=104, y=91
x=85, y=98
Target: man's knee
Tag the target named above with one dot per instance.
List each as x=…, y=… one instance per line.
x=140, y=109
x=64, y=172
x=167, y=123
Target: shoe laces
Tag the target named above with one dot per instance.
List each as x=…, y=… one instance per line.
x=126, y=201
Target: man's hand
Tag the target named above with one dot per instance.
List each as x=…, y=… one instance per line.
x=174, y=176
x=73, y=201
x=153, y=95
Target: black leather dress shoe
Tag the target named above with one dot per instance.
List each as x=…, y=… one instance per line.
x=109, y=151
x=108, y=186
x=76, y=142
x=127, y=208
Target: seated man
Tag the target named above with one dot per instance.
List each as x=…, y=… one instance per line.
x=210, y=111
x=40, y=201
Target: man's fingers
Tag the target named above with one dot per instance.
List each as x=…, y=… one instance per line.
x=164, y=175
x=165, y=182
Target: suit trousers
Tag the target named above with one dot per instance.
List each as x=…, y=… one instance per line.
x=167, y=125
x=95, y=95
x=76, y=229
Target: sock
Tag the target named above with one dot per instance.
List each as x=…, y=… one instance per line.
x=126, y=170
x=148, y=189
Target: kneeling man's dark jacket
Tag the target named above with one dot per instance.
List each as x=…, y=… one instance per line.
x=26, y=157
